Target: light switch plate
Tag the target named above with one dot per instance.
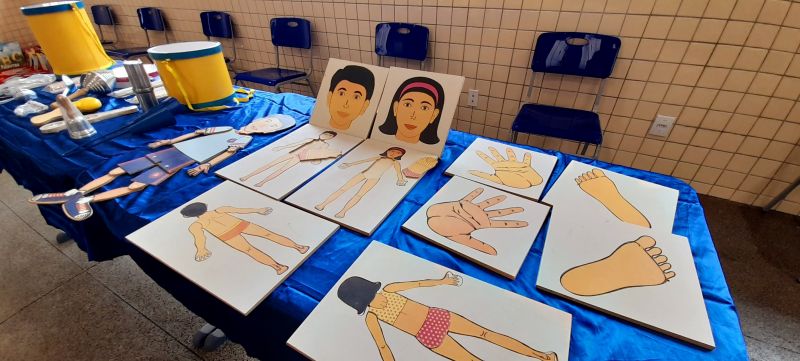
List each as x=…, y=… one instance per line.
x=662, y=126
x=473, y=98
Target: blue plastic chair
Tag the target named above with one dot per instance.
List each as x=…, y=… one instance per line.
x=581, y=54
x=150, y=19
x=286, y=32
x=401, y=40
x=102, y=16
x=217, y=24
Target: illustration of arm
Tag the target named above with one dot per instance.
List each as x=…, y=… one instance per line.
x=374, y=328
x=196, y=229
x=204, y=168
x=229, y=209
x=401, y=179
x=345, y=165
x=448, y=279
x=295, y=144
x=187, y=136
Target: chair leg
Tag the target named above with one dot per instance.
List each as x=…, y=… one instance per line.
x=596, y=151
x=278, y=88
x=311, y=87
x=585, y=148
x=514, y=136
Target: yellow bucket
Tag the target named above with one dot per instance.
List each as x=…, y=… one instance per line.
x=67, y=37
x=195, y=74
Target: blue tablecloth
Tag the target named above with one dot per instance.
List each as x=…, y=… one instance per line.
x=35, y=162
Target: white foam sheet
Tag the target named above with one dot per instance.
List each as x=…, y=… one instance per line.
x=293, y=177
x=230, y=275
x=511, y=244
x=334, y=330
x=373, y=208
x=656, y=202
x=469, y=162
x=675, y=308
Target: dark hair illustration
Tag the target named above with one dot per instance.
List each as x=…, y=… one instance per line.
x=328, y=132
x=357, y=292
x=401, y=150
x=354, y=74
x=422, y=85
x=194, y=210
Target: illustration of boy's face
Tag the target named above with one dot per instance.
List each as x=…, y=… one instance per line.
x=414, y=112
x=347, y=102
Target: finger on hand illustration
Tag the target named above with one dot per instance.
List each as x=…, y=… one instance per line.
x=509, y=172
x=596, y=184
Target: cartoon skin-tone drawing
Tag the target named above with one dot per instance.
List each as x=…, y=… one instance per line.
x=603, y=189
x=154, y=168
x=311, y=150
x=222, y=224
x=370, y=176
x=420, y=167
x=509, y=172
x=349, y=95
x=457, y=220
x=415, y=111
x=633, y=264
x=431, y=326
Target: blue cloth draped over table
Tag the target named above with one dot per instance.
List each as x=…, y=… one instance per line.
x=33, y=159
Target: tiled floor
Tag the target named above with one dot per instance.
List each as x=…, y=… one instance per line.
x=56, y=305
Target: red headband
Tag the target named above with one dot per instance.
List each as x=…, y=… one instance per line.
x=422, y=85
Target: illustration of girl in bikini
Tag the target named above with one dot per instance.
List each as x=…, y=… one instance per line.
x=370, y=176
x=415, y=111
x=230, y=229
x=431, y=326
x=313, y=150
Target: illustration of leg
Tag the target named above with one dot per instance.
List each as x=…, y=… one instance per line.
x=240, y=244
x=603, y=189
x=462, y=326
x=632, y=264
x=451, y=349
x=286, y=165
x=74, y=194
x=338, y=193
x=357, y=197
x=262, y=232
x=267, y=166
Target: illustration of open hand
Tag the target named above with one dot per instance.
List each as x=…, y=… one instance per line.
x=265, y=210
x=452, y=279
x=202, y=255
x=511, y=172
x=202, y=168
x=457, y=220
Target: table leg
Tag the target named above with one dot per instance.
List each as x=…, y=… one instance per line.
x=208, y=338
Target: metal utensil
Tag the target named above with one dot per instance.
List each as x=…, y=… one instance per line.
x=98, y=82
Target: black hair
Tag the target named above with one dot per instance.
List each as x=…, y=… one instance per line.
x=355, y=74
x=430, y=134
x=358, y=292
x=332, y=133
x=194, y=210
x=394, y=148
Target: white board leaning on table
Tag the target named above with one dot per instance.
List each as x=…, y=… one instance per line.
x=393, y=305
x=342, y=117
x=521, y=171
x=235, y=243
x=486, y=225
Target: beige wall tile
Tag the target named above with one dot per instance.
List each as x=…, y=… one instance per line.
x=774, y=12
x=747, y=9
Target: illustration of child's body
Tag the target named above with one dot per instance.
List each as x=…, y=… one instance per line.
x=370, y=176
x=311, y=150
x=431, y=326
x=230, y=229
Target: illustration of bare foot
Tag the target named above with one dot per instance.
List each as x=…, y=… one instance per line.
x=339, y=215
x=302, y=249
x=551, y=356
x=280, y=269
x=632, y=264
x=319, y=207
x=603, y=189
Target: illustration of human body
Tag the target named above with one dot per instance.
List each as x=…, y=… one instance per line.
x=457, y=220
x=349, y=95
x=310, y=150
x=509, y=172
x=222, y=224
x=637, y=263
x=415, y=111
x=596, y=184
x=214, y=144
x=370, y=177
x=431, y=326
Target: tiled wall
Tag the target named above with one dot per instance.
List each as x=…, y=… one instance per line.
x=729, y=71
x=13, y=26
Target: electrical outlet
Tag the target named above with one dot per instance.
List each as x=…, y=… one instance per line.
x=662, y=126
x=473, y=98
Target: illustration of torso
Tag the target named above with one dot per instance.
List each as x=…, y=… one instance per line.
x=202, y=149
x=377, y=168
x=314, y=149
x=404, y=314
x=218, y=223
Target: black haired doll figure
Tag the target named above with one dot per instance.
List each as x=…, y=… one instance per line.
x=431, y=326
x=415, y=111
x=307, y=150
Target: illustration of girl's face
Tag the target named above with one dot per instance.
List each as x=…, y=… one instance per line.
x=414, y=112
x=394, y=153
x=380, y=301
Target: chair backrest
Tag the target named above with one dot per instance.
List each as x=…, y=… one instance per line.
x=582, y=54
x=151, y=19
x=102, y=15
x=402, y=40
x=217, y=24
x=291, y=32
